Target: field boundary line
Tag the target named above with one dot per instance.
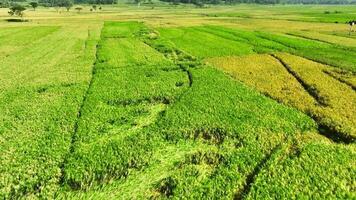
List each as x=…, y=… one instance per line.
x=318, y=61
x=321, y=41
x=323, y=129
x=79, y=113
x=263, y=164
x=305, y=85
x=311, y=39
x=340, y=80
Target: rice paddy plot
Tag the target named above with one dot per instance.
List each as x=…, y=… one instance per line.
x=236, y=126
x=343, y=76
x=300, y=83
x=40, y=97
x=338, y=40
x=123, y=52
x=128, y=109
x=336, y=96
x=120, y=102
x=332, y=167
x=260, y=45
x=318, y=51
x=14, y=39
x=202, y=44
x=267, y=75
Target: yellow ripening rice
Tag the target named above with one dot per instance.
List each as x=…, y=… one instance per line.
x=347, y=77
x=268, y=75
x=300, y=83
x=339, y=97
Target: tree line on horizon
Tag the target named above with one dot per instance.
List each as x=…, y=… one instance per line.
x=64, y=3
x=264, y=1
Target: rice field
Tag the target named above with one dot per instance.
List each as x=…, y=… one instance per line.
x=178, y=103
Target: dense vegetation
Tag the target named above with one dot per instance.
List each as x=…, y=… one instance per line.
x=264, y=1
x=168, y=104
x=60, y=3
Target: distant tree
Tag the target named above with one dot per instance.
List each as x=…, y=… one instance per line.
x=68, y=4
x=17, y=10
x=94, y=7
x=78, y=9
x=34, y=5
x=4, y=3
x=138, y=2
x=199, y=4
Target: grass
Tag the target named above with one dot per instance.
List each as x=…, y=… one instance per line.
x=183, y=102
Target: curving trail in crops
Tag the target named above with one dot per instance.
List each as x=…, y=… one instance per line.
x=182, y=112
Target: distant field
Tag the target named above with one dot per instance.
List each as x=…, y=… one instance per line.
x=225, y=102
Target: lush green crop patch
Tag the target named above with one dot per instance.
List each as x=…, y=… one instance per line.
x=124, y=52
x=22, y=36
x=343, y=41
x=319, y=51
x=14, y=39
x=260, y=45
x=135, y=113
x=247, y=42
x=324, y=14
x=121, y=30
x=224, y=121
x=203, y=44
x=38, y=110
x=306, y=168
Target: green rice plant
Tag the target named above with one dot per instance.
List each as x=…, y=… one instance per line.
x=225, y=119
x=338, y=40
x=14, y=39
x=260, y=42
x=110, y=138
x=124, y=52
x=318, y=51
x=42, y=86
x=234, y=144
x=121, y=29
x=116, y=97
x=146, y=118
x=334, y=17
x=202, y=44
x=23, y=36
x=241, y=104
x=313, y=169
x=238, y=125
x=260, y=45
